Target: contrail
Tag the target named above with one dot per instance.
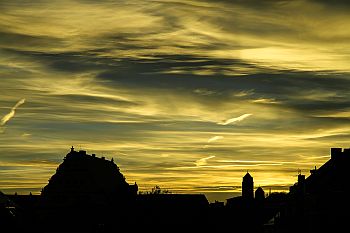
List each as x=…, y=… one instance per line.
x=236, y=119
x=215, y=138
x=12, y=113
x=203, y=161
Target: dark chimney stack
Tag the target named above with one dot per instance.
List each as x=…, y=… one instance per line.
x=346, y=151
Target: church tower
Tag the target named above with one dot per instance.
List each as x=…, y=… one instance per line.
x=248, y=187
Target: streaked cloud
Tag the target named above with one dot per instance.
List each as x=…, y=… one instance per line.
x=235, y=119
x=215, y=138
x=203, y=161
x=265, y=101
x=12, y=113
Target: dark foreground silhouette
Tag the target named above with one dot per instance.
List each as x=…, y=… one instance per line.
x=90, y=194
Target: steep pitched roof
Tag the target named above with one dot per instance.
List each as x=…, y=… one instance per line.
x=247, y=176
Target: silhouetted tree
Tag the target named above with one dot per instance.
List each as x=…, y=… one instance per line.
x=156, y=190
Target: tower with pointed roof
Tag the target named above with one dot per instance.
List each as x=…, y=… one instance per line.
x=248, y=187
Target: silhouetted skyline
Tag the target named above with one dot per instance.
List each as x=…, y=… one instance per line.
x=90, y=194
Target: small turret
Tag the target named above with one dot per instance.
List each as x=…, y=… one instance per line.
x=259, y=194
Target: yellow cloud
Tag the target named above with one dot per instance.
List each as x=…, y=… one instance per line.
x=12, y=113
x=203, y=161
x=235, y=119
x=215, y=138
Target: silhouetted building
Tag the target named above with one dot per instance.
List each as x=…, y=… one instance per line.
x=259, y=194
x=174, y=201
x=248, y=187
x=236, y=202
x=90, y=194
x=27, y=210
x=88, y=178
x=321, y=201
x=247, y=194
x=178, y=211
x=87, y=190
x=8, y=214
x=217, y=204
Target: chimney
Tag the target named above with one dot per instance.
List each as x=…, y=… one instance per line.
x=335, y=152
x=346, y=151
x=301, y=184
x=313, y=171
x=94, y=155
x=301, y=179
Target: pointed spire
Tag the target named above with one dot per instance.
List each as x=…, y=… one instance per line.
x=247, y=175
x=72, y=149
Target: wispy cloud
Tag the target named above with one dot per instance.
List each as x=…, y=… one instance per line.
x=203, y=161
x=204, y=92
x=265, y=101
x=235, y=119
x=215, y=138
x=12, y=113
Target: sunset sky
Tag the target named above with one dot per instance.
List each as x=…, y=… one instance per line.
x=183, y=94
